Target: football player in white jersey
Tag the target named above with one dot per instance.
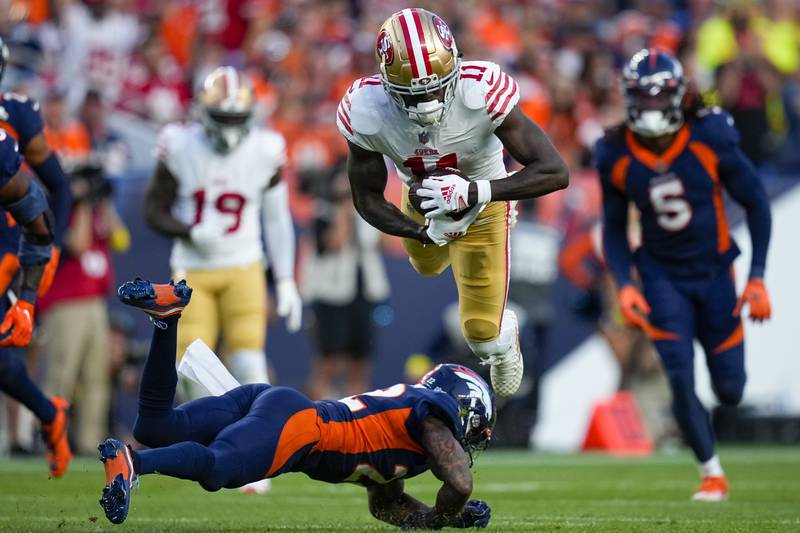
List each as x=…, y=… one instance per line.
x=427, y=110
x=216, y=181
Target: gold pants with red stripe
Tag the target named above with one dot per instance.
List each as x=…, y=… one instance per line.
x=480, y=262
x=230, y=303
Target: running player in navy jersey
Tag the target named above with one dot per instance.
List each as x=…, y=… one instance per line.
x=26, y=202
x=256, y=431
x=673, y=163
x=20, y=121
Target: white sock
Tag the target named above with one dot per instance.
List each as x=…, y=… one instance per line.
x=711, y=468
x=249, y=366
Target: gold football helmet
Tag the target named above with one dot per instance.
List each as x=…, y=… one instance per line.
x=419, y=64
x=226, y=107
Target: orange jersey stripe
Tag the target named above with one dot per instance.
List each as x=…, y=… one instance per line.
x=658, y=162
x=381, y=431
x=735, y=339
x=710, y=162
x=656, y=334
x=300, y=430
x=10, y=130
x=619, y=173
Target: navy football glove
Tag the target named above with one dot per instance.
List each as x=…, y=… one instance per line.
x=476, y=513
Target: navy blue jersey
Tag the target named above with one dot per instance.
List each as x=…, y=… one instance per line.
x=10, y=159
x=20, y=118
x=374, y=437
x=679, y=195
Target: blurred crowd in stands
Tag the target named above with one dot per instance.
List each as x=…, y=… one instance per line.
x=142, y=60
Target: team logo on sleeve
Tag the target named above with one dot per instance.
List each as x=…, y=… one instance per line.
x=445, y=35
x=385, y=48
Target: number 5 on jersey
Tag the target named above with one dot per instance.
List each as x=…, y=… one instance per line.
x=673, y=211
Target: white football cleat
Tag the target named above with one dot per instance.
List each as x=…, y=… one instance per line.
x=504, y=356
x=262, y=486
x=712, y=489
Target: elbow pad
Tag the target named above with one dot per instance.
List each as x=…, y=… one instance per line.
x=31, y=205
x=34, y=249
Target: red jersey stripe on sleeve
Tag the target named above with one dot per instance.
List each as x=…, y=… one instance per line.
x=494, y=94
x=508, y=98
x=344, y=120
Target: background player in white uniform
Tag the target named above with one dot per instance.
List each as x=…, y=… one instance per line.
x=213, y=179
x=426, y=110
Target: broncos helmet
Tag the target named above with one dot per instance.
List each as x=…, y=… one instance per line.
x=475, y=403
x=653, y=87
x=4, y=55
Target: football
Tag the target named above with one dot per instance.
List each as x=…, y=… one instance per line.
x=416, y=200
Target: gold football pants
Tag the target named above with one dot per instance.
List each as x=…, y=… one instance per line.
x=226, y=302
x=480, y=262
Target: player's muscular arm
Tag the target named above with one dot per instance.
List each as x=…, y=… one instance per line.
x=37, y=150
x=48, y=168
x=544, y=170
x=36, y=233
x=367, y=173
x=449, y=464
x=158, y=204
x=389, y=503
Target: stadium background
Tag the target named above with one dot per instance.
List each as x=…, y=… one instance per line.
x=148, y=57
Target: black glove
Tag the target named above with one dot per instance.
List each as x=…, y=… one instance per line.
x=476, y=513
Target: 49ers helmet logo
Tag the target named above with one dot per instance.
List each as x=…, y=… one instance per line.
x=444, y=32
x=385, y=48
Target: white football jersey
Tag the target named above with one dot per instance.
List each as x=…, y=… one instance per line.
x=224, y=189
x=484, y=95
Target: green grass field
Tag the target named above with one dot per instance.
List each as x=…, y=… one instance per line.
x=527, y=492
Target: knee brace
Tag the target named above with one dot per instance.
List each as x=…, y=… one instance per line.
x=505, y=343
x=249, y=366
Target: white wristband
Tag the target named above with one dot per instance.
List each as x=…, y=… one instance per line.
x=484, y=191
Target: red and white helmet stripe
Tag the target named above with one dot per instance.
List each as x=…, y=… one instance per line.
x=417, y=47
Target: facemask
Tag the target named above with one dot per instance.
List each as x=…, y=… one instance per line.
x=653, y=124
x=232, y=136
x=426, y=113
